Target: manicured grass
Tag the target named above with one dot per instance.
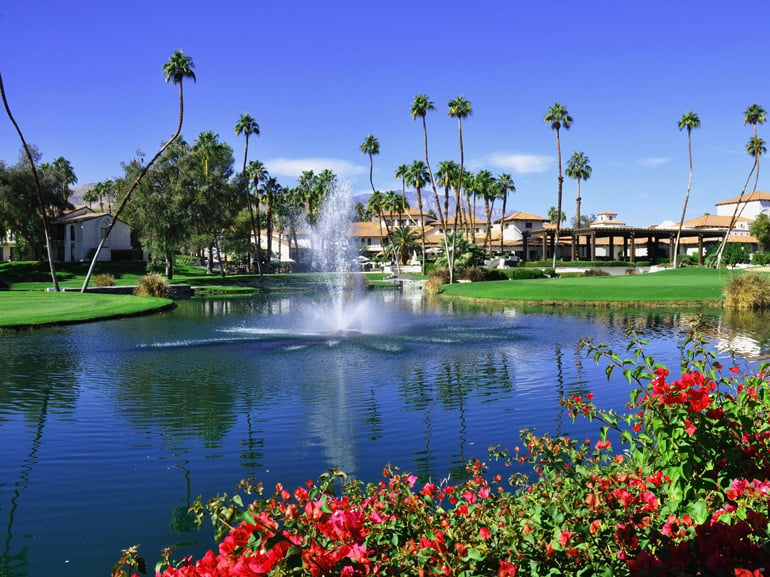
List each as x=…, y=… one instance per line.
x=20, y=309
x=686, y=285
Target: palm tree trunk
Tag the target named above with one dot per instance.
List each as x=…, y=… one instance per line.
x=130, y=190
x=684, y=208
x=41, y=204
x=558, y=208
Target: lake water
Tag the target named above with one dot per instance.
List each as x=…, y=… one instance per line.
x=109, y=430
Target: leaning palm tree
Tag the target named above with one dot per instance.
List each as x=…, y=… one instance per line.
x=371, y=146
x=418, y=177
x=176, y=69
x=459, y=108
x=558, y=117
x=689, y=121
x=506, y=185
x=38, y=189
x=753, y=115
x=578, y=169
x=247, y=126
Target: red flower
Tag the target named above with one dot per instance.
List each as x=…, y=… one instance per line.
x=566, y=538
x=484, y=533
x=507, y=569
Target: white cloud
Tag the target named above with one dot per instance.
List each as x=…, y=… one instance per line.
x=293, y=167
x=653, y=161
x=521, y=163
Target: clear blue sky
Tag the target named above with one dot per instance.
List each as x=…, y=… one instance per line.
x=84, y=81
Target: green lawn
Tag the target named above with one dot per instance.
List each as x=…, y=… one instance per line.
x=685, y=285
x=19, y=309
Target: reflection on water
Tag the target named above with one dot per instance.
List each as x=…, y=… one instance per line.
x=110, y=429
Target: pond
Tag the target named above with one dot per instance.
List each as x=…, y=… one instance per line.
x=109, y=430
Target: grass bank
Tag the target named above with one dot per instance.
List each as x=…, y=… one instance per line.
x=683, y=287
x=22, y=309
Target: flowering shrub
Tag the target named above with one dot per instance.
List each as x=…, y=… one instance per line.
x=688, y=494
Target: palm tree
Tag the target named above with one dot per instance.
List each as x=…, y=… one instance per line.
x=38, y=189
x=247, y=126
x=459, y=108
x=176, y=69
x=418, y=177
x=753, y=115
x=256, y=173
x=402, y=172
x=370, y=146
x=272, y=190
x=404, y=240
x=486, y=185
x=578, y=169
x=505, y=182
x=447, y=177
x=558, y=117
x=421, y=105
x=205, y=147
x=689, y=121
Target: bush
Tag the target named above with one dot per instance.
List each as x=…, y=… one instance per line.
x=152, y=285
x=748, y=291
x=104, y=279
x=686, y=492
x=472, y=274
x=595, y=272
x=527, y=273
x=760, y=258
x=437, y=277
x=495, y=274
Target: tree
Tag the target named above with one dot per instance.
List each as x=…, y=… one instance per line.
x=459, y=108
x=165, y=213
x=760, y=229
x=753, y=115
x=418, y=177
x=371, y=146
x=578, y=169
x=402, y=172
x=176, y=69
x=552, y=212
x=41, y=204
x=404, y=240
x=689, y=121
x=558, y=117
x=486, y=186
x=216, y=206
x=247, y=126
x=506, y=185
x=421, y=105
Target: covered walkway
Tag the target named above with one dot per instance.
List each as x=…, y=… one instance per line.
x=583, y=241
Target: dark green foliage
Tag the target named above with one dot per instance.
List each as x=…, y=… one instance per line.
x=761, y=258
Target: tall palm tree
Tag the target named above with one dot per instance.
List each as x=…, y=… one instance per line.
x=578, y=169
x=178, y=68
x=38, y=189
x=421, y=105
x=689, y=121
x=247, y=126
x=271, y=190
x=506, y=184
x=419, y=177
x=375, y=205
x=459, y=108
x=370, y=146
x=753, y=115
x=558, y=118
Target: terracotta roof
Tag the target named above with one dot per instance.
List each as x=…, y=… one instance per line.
x=756, y=195
x=368, y=228
x=712, y=221
x=521, y=215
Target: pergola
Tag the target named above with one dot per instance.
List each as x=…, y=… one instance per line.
x=632, y=237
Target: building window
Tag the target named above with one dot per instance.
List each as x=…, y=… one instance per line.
x=528, y=225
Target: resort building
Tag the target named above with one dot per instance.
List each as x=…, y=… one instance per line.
x=77, y=233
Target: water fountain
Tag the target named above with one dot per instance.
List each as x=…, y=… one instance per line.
x=345, y=310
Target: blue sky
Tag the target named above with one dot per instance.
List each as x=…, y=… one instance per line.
x=84, y=81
